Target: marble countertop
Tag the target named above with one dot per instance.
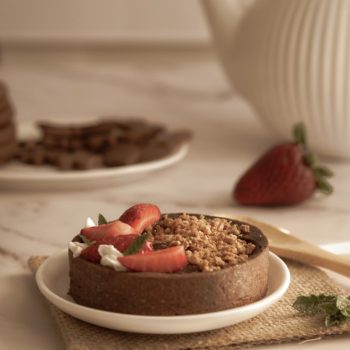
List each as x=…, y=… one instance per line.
x=177, y=87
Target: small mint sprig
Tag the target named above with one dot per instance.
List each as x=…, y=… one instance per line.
x=321, y=173
x=102, y=220
x=136, y=245
x=334, y=308
x=86, y=240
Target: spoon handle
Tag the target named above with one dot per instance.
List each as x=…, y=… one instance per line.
x=313, y=255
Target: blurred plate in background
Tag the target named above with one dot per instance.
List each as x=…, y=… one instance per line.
x=19, y=176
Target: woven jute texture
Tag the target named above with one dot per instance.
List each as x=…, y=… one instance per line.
x=280, y=323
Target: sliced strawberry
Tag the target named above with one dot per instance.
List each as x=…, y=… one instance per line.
x=147, y=247
x=121, y=242
x=164, y=260
x=91, y=253
x=112, y=229
x=140, y=216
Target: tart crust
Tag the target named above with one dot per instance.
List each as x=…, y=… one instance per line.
x=169, y=294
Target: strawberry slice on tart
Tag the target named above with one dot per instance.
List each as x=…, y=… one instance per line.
x=121, y=243
x=141, y=216
x=90, y=253
x=164, y=260
x=111, y=229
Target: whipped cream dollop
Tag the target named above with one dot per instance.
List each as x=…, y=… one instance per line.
x=76, y=248
x=89, y=222
x=109, y=257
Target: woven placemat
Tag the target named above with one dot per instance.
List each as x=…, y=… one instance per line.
x=280, y=323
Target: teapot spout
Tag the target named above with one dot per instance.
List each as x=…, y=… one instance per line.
x=224, y=17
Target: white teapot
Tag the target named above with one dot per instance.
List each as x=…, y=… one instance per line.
x=291, y=60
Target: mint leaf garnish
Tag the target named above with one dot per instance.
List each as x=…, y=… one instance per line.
x=136, y=246
x=102, y=220
x=86, y=240
x=335, y=308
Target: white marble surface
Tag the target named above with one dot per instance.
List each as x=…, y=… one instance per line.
x=180, y=88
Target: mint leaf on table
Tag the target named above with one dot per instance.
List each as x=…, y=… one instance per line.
x=136, y=246
x=333, y=320
x=335, y=308
x=312, y=304
x=343, y=304
x=102, y=220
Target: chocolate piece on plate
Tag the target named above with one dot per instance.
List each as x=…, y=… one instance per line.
x=52, y=155
x=141, y=135
x=31, y=152
x=96, y=142
x=181, y=136
x=57, y=130
x=87, y=160
x=49, y=141
x=122, y=154
x=164, y=144
x=80, y=160
x=65, y=161
x=38, y=157
x=153, y=152
x=72, y=130
x=123, y=124
x=75, y=144
x=62, y=142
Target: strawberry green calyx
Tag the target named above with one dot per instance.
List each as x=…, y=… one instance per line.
x=321, y=172
x=299, y=134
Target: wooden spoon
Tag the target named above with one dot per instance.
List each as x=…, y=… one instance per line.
x=288, y=246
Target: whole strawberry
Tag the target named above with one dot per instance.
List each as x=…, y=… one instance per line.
x=287, y=174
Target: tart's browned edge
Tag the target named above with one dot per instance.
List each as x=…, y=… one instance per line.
x=151, y=293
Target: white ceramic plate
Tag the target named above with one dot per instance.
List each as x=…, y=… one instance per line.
x=53, y=281
x=18, y=176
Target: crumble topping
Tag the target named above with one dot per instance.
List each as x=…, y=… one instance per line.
x=210, y=243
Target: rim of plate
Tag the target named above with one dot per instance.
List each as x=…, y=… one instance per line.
x=12, y=175
x=274, y=296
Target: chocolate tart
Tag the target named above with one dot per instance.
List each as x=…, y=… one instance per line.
x=169, y=294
